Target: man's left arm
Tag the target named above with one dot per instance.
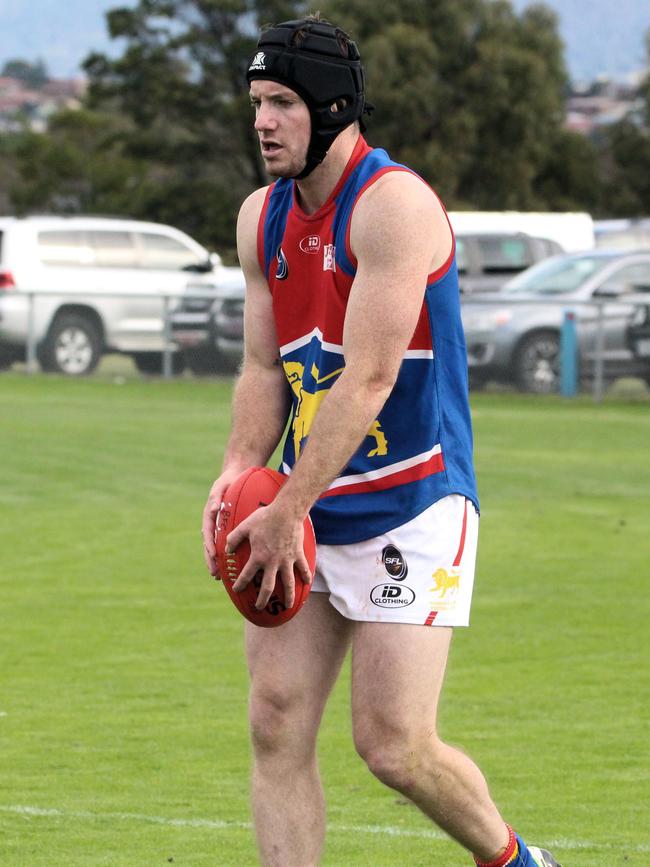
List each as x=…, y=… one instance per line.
x=399, y=234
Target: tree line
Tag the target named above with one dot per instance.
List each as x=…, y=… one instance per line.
x=467, y=92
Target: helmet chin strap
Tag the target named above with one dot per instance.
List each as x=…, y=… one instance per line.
x=312, y=163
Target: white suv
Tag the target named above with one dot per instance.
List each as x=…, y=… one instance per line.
x=57, y=275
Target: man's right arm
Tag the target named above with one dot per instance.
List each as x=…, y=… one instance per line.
x=261, y=400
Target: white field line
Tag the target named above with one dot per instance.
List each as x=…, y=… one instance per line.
x=220, y=825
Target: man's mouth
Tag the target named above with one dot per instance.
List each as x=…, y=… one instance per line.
x=270, y=148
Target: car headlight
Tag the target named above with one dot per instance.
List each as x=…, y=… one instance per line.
x=486, y=320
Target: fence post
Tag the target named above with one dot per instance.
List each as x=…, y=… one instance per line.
x=167, y=335
x=599, y=360
x=32, y=365
x=569, y=355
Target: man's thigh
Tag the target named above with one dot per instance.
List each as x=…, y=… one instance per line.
x=293, y=667
x=397, y=675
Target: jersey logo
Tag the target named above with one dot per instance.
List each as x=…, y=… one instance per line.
x=283, y=266
x=258, y=61
x=310, y=244
x=329, y=257
x=310, y=393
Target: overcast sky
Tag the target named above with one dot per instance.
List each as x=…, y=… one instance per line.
x=602, y=36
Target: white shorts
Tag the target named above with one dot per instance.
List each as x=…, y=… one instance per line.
x=421, y=572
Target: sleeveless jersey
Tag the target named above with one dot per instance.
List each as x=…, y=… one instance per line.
x=419, y=448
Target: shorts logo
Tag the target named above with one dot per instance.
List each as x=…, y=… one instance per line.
x=391, y=596
x=283, y=266
x=310, y=244
x=445, y=581
x=394, y=563
x=258, y=61
x=329, y=260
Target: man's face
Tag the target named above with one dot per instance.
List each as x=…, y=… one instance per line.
x=283, y=125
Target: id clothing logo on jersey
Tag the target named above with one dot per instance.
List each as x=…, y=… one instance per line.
x=310, y=244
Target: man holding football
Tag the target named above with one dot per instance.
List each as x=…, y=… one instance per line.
x=353, y=334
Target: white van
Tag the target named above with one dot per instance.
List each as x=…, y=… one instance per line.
x=573, y=231
x=72, y=265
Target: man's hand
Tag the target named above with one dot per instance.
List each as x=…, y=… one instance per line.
x=210, y=513
x=276, y=539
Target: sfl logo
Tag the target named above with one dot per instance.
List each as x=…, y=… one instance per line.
x=394, y=563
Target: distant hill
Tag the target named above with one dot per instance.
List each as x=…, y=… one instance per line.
x=601, y=36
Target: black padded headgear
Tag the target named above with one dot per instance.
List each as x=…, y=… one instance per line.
x=322, y=65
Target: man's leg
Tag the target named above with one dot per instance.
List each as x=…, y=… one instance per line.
x=293, y=669
x=397, y=674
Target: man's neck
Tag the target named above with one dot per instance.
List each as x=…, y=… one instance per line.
x=314, y=190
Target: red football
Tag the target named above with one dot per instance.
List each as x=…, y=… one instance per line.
x=255, y=487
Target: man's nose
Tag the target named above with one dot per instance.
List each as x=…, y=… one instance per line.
x=265, y=117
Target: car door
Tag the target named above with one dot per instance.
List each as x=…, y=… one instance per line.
x=617, y=315
x=163, y=260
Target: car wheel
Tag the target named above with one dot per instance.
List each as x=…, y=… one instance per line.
x=477, y=381
x=72, y=346
x=203, y=362
x=537, y=363
x=153, y=362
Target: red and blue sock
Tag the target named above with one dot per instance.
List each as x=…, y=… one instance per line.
x=515, y=854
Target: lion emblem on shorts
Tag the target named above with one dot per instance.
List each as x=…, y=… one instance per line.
x=445, y=581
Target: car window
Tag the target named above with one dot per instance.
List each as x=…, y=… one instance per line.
x=63, y=247
x=161, y=251
x=113, y=249
x=499, y=255
x=557, y=275
x=630, y=278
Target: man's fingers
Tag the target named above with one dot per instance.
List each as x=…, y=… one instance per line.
x=289, y=585
x=302, y=568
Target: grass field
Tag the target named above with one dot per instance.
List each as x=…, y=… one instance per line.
x=122, y=684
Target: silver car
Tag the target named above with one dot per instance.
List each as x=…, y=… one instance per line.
x=514, y=335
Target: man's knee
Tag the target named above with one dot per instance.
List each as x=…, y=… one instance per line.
x=396, y=753
x=277, y=718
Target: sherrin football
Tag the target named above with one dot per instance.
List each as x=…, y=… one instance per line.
x=254, y=488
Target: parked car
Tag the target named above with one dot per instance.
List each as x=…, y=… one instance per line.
x=210, y=330
x=514, y=335
x=212, y=333
x=78, y=262
x=487, y=259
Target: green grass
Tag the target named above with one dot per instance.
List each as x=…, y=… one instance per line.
x=123, y=688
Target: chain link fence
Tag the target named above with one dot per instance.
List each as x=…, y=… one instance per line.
x=600, y=339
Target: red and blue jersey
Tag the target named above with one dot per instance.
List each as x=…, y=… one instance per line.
x=419, y=448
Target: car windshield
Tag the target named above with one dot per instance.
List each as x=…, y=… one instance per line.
x=556, y=276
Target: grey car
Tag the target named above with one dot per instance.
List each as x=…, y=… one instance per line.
x=210, y=328
x=514, y=335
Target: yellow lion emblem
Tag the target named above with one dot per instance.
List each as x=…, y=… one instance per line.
x=310, y=401
x=445, y=581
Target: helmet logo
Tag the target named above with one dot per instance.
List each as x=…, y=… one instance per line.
x=258, y=61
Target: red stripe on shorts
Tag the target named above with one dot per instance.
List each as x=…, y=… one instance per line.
x=461, y=547
x=432, y=616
